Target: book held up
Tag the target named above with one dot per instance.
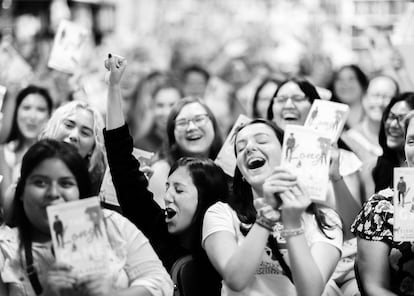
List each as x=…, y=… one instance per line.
x=306, y=153
x=79, y=235
x=327, y=116
x=403, y=201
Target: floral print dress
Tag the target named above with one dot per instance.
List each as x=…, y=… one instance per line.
x=375, y=222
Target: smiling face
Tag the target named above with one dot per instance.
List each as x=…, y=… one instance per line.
x=164, y=100
x=290, y=105
x=380, y=92
x=32, y=115
x=347, y=87
x=195, y=136
x=258, y=153
x=181, y=200
x=394, y=131
x=78, y=130
x=51, y=182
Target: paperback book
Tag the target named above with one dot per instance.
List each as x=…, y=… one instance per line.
x=79, y=235
x=306, y=153
x=226, y=159
x=14, y=68
x=403, y=204
x=68, y=47
x=327, y=116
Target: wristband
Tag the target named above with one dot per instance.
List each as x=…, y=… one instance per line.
x=292, y=232
x=265, y=223
x=337, y=179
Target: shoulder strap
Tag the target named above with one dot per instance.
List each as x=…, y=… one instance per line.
x=176, y=274
x=275, y=249
x=31, y=271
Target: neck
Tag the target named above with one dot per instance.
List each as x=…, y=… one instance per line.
x=371, y=129
x=185, y=239
x=356, y=111
x=40, y=236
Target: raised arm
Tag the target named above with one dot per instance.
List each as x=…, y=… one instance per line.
x=130, y=183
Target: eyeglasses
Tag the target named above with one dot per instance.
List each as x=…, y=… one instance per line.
x=400, y=117
x=295, y=99
x=198, y=121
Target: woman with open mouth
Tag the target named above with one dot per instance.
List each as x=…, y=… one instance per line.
x=192, y=184
x=290, y=105
x=391, y=140
x=270, y=239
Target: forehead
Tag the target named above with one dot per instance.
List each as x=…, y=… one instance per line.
x=347, y=73
x=34, y=99
x=167, y=94
x=181, y=175
x=82, y=117
x=290, y=88
x=382, y=84
x=255, y=129
x=53, y=167
x=191, y=110
x=400, y=108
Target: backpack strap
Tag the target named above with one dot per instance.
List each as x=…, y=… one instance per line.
x=275, y=249
x=30, y=270
x=176, y=274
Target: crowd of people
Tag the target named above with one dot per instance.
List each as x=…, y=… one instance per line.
x=255, y=232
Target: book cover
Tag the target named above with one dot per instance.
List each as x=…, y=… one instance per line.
x=68, y=47
x=107, y=193
x=79, y=235
x=403, y=204
x=226, y=158
x=328, y=117
x=14, y=68
x=306, y=153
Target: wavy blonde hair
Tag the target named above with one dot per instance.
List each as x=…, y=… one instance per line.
x=96, y=158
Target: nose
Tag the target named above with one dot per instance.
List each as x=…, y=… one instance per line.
x=250, y=146
x=74, y=135
x=53, y=192
x=168, y=197
x=289, y=103
x=191, y=125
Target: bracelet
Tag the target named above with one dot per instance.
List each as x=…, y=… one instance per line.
x=337, y=179
x=292, y=232
x=269, y=213
x=265, y=223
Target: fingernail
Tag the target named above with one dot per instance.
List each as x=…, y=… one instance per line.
x=109, y=55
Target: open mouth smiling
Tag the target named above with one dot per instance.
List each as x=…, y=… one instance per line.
x=170, y=213
x=255, y=163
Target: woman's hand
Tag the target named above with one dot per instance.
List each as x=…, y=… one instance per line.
x=334, y=163
x=280, y=181
x=60, y=278
x=116, y=66
x=294, y=202
x=97, y=284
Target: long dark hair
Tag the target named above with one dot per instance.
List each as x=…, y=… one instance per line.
x=266, y=81
x=172, y=151
x=390, y=158
x=37, y=153
x=211, y=184
x=15, y=132
x=242, y=198
x=359, y=74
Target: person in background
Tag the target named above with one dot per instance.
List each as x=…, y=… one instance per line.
x=270, y=239
x=385, y=267
x=363, y=138
x=53, y=172
x=192, y=185
x=33, y=109
x=349, y=85
x=192, y=130
x=163, y=99
x=391, y=140
x=81, y=125
x=262, y=97
x=194, y=81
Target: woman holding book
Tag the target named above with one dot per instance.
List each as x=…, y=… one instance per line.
x=270, y=238
x=391, y=140
x=192, y=185
x=386, y=267
x=52, y=173
x=290, y=105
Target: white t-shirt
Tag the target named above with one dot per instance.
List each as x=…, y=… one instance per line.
x=269, y=278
